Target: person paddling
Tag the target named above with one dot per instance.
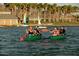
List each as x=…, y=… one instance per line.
x=55, y=32
x=37, y=31
x=62, y=31
x=30, y=30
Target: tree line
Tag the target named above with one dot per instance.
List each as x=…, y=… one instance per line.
x=21, y=8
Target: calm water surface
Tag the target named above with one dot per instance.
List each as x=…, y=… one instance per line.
x=10, y=45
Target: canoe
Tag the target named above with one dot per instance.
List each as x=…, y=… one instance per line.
x=33, y=37
x=57, y=37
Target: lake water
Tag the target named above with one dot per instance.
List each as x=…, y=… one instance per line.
x=10, y=45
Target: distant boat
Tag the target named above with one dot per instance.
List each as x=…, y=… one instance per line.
x=42, y=27
x=24, y=25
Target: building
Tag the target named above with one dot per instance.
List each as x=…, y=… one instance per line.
x=6, y=19
x=5, y=12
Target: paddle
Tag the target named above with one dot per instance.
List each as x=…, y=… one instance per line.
x=23, y=37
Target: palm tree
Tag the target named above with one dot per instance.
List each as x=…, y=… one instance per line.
x=54, y=6
x=10, y=6
x=49, y=10
x=39, y=12
x=45, y=10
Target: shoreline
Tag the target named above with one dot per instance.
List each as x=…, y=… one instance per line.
x=42, y=25
x=46, y=24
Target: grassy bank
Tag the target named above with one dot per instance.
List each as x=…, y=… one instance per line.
x=50, y=24
x=57, y=24
x=65, y=24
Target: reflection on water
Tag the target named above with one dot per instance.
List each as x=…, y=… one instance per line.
x=10, y=45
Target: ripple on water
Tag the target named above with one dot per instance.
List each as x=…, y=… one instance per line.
x=10, y=45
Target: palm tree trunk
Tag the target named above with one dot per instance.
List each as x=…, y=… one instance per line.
x=39, y=23
x=50, y=17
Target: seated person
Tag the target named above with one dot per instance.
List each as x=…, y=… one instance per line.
x=30, y=30
x=62, y=31
x=55, y=32
x=36, y=31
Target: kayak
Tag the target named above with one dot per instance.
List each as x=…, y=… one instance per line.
x=33, y=37
x=57, y=37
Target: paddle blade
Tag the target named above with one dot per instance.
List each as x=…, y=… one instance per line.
x=22, y=37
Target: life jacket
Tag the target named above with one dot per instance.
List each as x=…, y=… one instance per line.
x=62, y=31
x=55, y=32
x=30, y=32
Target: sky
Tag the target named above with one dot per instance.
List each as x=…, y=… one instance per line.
x=73, y=4
x=61, y=4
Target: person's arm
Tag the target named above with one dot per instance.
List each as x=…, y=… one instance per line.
x=27, y=31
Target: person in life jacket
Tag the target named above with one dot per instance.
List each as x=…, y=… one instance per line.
x=30, y=30
x=55, y=32
x=36, y=31
x=62, y=31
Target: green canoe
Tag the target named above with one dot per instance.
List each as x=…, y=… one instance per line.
x=57, y=37
x=33, y=37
